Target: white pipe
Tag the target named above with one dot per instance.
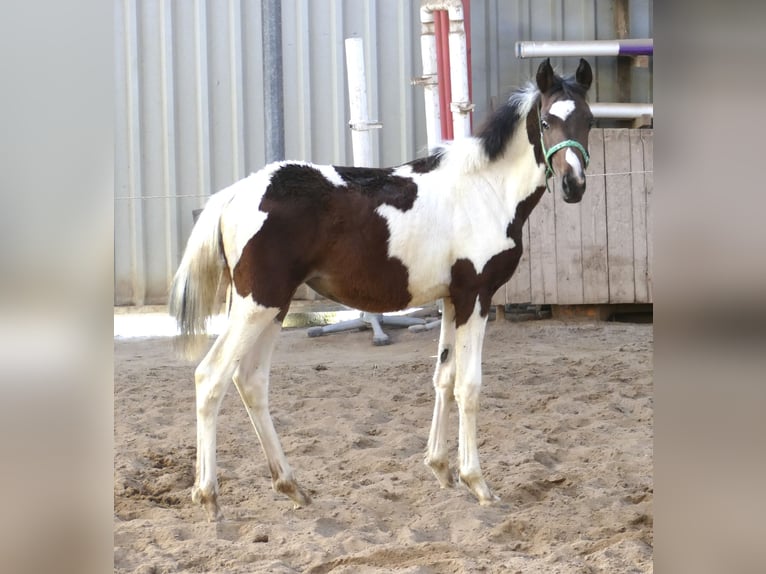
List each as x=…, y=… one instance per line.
x=430, y=78
x=628, y=47
x=361, y=138
x=460, y=106
x=621, y=110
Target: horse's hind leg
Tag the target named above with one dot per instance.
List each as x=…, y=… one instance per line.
x=252, y=382
x=212, y=378
x=444, y=382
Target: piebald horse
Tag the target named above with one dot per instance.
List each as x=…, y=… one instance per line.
x=447, y=226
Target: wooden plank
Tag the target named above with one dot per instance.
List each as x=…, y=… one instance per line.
x=647, y=139
x=619, y=219
x=569, y=283
x=519, y=289
x=542, y=251
x=595, y=271
x=638, y=198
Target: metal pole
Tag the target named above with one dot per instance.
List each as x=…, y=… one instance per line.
x=273, y=109
x=361, y=138
x=430, y=78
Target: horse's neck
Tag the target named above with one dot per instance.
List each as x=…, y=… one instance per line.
x=518, y=173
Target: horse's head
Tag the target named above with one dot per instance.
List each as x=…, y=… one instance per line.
x=565, y=120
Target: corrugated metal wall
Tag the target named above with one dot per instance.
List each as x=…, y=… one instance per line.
x=189, y=98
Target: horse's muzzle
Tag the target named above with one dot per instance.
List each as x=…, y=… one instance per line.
x=572, y=188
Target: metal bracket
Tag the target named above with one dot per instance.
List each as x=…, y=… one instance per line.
x=461, y=107
x=364, y=126
x=429, y=80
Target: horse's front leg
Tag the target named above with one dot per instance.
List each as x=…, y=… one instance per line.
x=444, y=384
x=469, y=339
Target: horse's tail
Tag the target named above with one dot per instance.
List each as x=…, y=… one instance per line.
x=201, y=276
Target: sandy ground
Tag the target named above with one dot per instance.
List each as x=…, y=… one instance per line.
x=565, y=433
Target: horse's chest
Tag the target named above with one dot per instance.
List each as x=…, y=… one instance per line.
x=431, y=238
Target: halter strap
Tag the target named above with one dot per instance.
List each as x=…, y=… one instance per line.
x=547, y=154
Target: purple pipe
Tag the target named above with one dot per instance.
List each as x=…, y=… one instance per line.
x=631, y=47
x=636, y=47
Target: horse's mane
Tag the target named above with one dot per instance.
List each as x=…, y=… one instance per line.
x=493, y=136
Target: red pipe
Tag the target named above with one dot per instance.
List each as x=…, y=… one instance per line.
x=441, y=21
x=441, y=28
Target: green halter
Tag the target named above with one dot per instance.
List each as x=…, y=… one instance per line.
x=547, y=154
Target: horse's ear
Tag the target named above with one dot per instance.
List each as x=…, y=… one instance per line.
x=544, y=76
x=584, y=75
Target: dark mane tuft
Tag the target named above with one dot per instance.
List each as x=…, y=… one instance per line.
x=498, y=129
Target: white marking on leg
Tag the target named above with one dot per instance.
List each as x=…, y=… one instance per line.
x=562, y=108
x=444, y=387
x=252, y=382
x=212, y=377
x=469, y=343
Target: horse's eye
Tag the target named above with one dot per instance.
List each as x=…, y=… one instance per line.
x=591, y=122
x=545, y=125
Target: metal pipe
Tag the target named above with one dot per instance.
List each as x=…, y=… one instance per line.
x=621, y=111
x=273, y=108
x=361, y=137
x=460, y=106
x=634, y=47
x=430, y=78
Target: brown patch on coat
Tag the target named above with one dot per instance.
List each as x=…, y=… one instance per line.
x=467, y=284
x=328, y=236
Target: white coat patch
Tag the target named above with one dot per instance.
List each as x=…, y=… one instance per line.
x=574, y=161
x=562, y=108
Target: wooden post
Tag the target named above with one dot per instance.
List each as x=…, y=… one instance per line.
x=624, y=63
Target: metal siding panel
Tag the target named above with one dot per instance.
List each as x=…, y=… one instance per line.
x=192, y=189
x=220, y=94
x=169, y=156
x=392, y=85
x=153, y=146
x=252, y=79
x=135, y=175
x=297, y=79
x=326, y=75
x=123, y=275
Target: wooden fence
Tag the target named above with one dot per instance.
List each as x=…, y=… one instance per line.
x=600, y=250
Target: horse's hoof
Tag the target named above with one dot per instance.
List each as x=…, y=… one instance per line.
x=489, y=501
x=209, y=502
x=441, y=472
x=478, y=487
x=291, y=489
